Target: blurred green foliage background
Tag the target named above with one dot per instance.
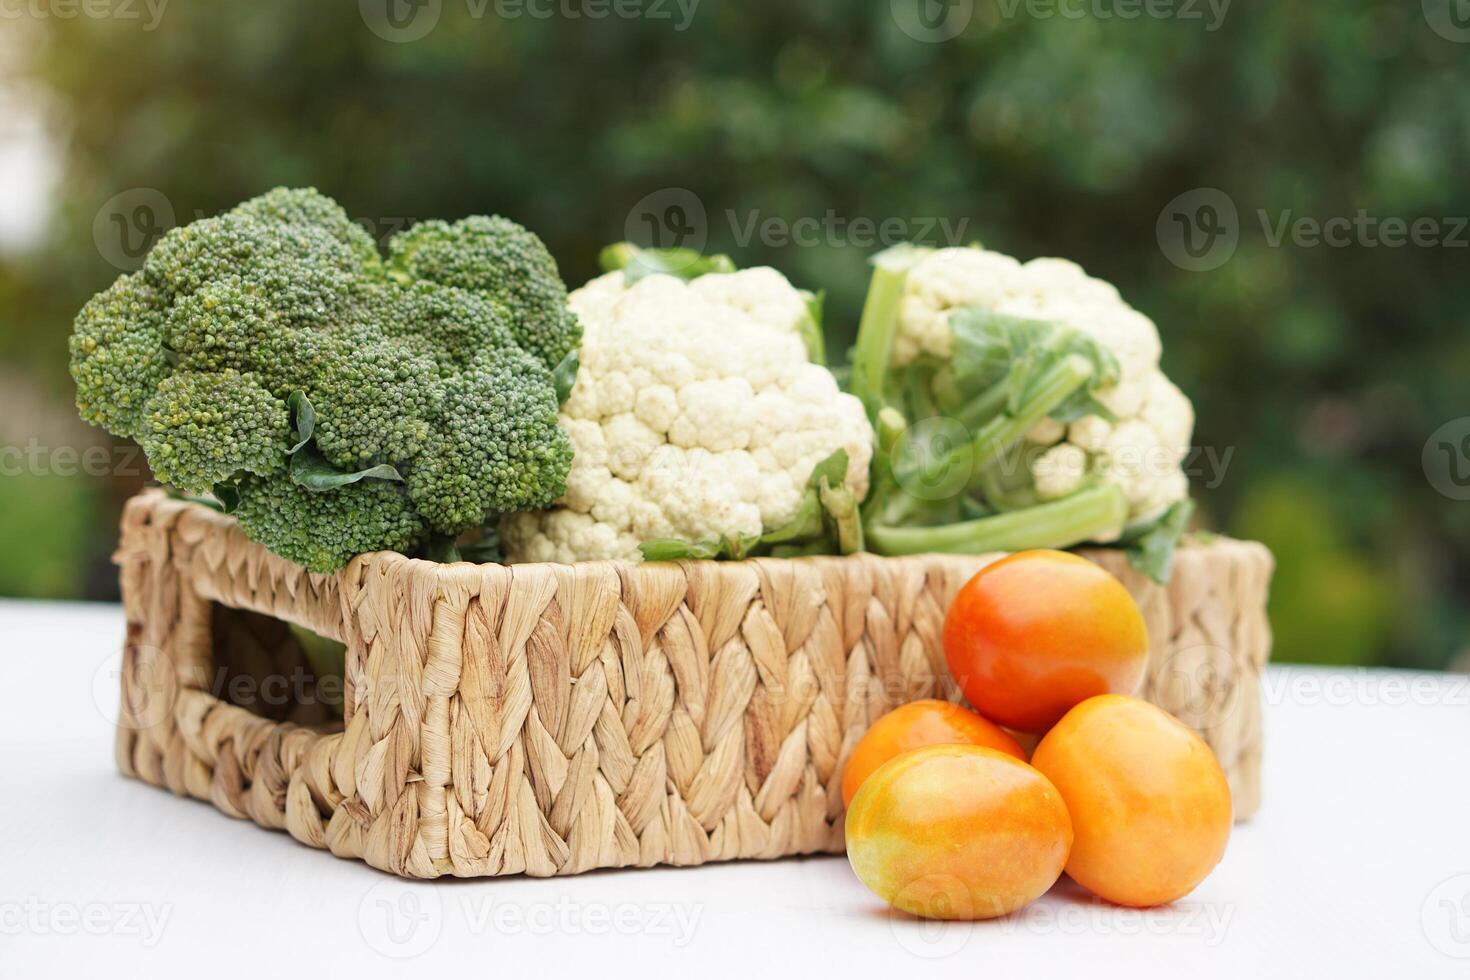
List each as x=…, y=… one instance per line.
x=1321, y=371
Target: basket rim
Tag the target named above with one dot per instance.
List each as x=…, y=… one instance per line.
x=158, y=500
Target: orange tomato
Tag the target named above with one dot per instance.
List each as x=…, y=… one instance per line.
x=957, y=832
x=1149, y=803
x=1040, y=631
x=915, y=725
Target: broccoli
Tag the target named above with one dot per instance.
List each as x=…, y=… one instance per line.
x=335, y=401
x=502, y=261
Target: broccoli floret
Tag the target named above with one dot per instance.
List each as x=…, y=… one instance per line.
x=266, y=349
x=496, y=257
x=312, y=210
x=205, y=428
x=324, y=530
x=500, y=448
x=118, y=356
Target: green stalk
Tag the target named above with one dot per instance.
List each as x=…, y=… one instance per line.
x=1058, y=524
x=879, y=324
x=997, y=436
x=1000, y=496
x=1002, y=432
x=975, y=411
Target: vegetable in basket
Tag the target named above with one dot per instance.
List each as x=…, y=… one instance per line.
x=702, y=426
x=337, y=401
x=1017, y=406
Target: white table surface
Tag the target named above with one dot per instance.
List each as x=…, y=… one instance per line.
x=1357, y=865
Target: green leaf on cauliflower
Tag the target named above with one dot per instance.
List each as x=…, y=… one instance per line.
x=1005, y=359
x=637, y=263
x=827, y=522
x=1150, y=547
x=724, y=547
x=810, y=328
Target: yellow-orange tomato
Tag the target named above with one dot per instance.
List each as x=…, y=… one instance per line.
x=1040, y=631
x=957, y=832
x=915, y=725
x=1149, y=803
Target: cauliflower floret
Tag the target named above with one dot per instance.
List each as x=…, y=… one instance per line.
x=1143, y=451
x=696, y=414
x=1059, y=471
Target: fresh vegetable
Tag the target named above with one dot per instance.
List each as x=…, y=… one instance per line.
x=336, y=401
x=1017, y=406
x=1149, y=803
x=702, y=426
x=1037, y=632
x=958, y=832
x=914, y=726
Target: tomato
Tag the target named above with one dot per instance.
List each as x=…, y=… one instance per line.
x=915, y=725
x=1040, y=631
x=1149, y=803
x=957, y=832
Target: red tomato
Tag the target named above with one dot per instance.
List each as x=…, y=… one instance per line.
x=958, y=832
x=914, y=726
x=1038, y=632
x=1149, y=802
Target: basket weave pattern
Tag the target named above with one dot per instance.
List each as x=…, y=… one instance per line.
x=548, y=720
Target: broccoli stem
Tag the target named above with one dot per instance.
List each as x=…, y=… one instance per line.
x=1063, y=523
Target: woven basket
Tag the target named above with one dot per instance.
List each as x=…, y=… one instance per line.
x=550, y=719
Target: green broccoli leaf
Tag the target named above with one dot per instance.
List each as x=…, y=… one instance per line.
x=565, y=375
x=228, y=495
x=635, y=263
x=310, y=469
x=303, y=420
x=1151, y=546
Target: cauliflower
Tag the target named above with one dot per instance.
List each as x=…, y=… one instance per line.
x=697, y=420
x=1070, y=431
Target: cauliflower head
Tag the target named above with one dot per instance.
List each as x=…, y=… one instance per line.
x=1142, y=447
x=696, y=416
x=1047, y=388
